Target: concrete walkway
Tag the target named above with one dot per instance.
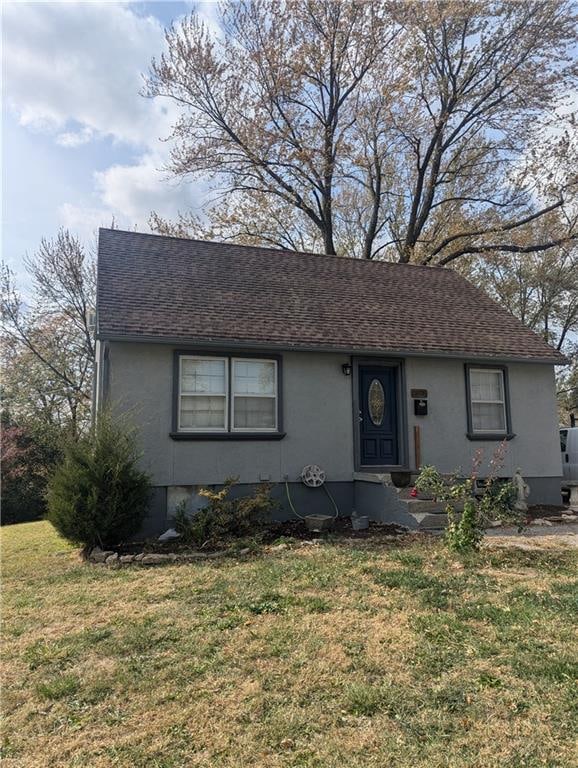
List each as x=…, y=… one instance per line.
x=534, y=537
x=562, y=529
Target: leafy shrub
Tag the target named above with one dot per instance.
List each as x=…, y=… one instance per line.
x=223, y=516
x=465, y=534
x=496, y=501
x=98, y=495
x=429, y=481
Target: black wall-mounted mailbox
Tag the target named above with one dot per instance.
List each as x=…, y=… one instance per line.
x=419, y=401
x=420, y=407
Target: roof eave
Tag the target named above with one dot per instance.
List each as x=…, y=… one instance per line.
x=554, y=359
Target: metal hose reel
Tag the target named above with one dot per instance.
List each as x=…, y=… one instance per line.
x=312, y=476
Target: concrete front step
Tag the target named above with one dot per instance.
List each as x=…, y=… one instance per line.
x=430, y=515
x=381, y=501
x=421, y=505
x=430, y=522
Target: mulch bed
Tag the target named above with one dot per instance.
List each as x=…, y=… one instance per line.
x=290, y=529
x=295, y=529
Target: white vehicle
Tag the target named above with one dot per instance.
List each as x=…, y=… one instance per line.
x=569, y=448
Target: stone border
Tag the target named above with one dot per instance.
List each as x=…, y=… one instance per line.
x=112, y=559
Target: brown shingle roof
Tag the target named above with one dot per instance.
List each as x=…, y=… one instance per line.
x=173, y=288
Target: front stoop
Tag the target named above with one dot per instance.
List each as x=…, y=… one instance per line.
x=382, y=502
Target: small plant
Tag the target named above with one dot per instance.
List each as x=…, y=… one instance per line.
x=464, y=533
x=224, y=517
x=498, y=503
x=98, y=495
x=429, y=482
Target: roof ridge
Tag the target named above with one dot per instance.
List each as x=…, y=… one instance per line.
x=278, y=250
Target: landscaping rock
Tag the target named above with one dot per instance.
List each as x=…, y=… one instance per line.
x=244, y=551
x=126, y=559
x=540, y=521
x=155, y=559
x=202, y=555
x=569, y=518
x=168, y=535
x=98, y=555
x=139, y=557
x=112, y=559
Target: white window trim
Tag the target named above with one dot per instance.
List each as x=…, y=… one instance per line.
x=274, y=396
x=502, y=402
x=203, y=394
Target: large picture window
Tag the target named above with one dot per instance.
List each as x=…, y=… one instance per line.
x=488, y=412
x=227, y=394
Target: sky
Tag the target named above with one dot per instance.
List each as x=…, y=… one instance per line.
x=80, y=145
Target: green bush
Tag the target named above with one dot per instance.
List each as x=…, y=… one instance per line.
x=464, y=532
x=224, y=517
x=464, y=535
x=97, y=494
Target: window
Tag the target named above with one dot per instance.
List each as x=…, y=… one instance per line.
x=488, y=413
x=226, y=395
x=203, y=393
x=563, y=440
x=254, y=394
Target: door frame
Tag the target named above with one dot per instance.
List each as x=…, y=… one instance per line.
x=401, y=400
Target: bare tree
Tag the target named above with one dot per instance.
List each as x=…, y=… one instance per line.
x=480, y=126
x=540, y=288
x=418, y=131
x=270, y=106
x=48, y=347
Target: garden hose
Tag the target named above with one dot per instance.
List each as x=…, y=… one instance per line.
x=301, y=517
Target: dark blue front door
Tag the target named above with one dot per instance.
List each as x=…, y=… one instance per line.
x=378, y=443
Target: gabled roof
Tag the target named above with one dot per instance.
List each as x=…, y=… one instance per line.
x=159, y=288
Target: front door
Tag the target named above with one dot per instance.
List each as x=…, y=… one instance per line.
x=378, y=439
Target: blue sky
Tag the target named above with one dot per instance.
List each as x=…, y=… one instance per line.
x=79, y=144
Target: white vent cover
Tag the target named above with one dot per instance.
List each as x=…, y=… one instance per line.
x=313, y=476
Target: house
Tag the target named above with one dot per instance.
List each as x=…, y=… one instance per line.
x=253, y=362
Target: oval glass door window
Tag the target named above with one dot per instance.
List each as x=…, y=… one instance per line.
x=376, y=402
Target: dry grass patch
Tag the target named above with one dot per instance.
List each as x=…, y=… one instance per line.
x=335, y=655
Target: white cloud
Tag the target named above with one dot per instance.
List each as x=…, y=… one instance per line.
x=84, y=221
x=75, y=70
x=75, y=138
x=83, y=62
x=134, y=189
x=128, y=194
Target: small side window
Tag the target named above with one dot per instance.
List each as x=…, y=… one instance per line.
x=487, y=400
x=488, y=404
x=563, y=440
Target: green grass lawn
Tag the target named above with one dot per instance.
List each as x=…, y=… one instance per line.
x=348, y=653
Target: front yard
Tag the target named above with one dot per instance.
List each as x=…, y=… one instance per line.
x=337, y=654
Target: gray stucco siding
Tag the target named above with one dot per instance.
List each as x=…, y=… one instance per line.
x=444, y=442
x=318, y=419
